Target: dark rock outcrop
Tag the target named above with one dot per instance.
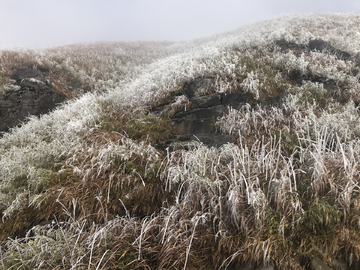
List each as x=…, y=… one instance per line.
x=316, y=45
x=324, y=46
x=30, y=93
x=199, y=122
x=284, y=45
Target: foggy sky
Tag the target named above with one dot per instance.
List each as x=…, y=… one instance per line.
x=47, y=23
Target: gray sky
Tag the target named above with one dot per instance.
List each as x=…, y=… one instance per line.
x=46, y=23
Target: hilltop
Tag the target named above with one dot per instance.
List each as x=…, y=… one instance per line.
x=236, y=151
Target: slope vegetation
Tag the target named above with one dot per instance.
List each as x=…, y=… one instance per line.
x=110, y=179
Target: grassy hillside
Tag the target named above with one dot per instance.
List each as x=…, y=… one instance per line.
x=88, y=187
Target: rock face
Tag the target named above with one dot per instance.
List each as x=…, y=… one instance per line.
x=30, y=93
x=198, y=123
x=315, y=45
x=321, y=45
x=285, y=45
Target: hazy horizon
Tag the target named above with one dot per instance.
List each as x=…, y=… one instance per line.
x=41, y=23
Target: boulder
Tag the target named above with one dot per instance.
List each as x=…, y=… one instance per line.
x=30, y=93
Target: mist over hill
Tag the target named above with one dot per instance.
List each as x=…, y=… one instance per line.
x=236, y=151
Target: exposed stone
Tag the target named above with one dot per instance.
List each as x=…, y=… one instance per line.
x=316, y=45
x=199, y=122
x=324, y=46
x=207, y=101
x=318, y=264
x=32, y=94
x=320, y=45
x=285, y=45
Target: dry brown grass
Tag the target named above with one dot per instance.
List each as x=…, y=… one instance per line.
x=97, y=199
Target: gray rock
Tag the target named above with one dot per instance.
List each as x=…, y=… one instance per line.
x=318, y=264
x=195, y=126
x=314, y=45
x=198, y=123
x=200, y=113
x=28, y=72
x=32, y=96
x=319, y=45
x=285, y=45
x=324, y=46
x=207, y=101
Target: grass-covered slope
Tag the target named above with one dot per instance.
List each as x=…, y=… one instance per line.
x=86, y=187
